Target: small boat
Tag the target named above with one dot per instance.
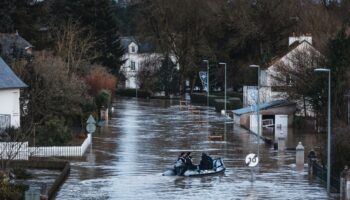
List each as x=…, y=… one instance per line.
x=218, y=168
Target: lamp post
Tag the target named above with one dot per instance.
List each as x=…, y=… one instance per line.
x=258, y=107
x=328, y=128
x=222, y=63
x=207, y=61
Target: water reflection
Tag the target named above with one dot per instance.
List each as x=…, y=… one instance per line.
x=145, y=137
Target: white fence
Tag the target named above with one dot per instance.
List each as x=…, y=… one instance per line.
x=21, y=151
x=14, y=150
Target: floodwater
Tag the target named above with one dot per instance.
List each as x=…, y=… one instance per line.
x=144, y=137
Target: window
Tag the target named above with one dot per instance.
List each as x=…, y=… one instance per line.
x=289, y=80
x=132, y=65
x=132, y=49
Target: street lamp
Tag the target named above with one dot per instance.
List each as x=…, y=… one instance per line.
x=207, y=61
x=258, y=107
x=222, y=63
x=329, y=127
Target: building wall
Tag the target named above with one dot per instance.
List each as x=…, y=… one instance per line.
x=268, y=80
x=287, y=110
x=10, y=105
x=130, y=73
x=271, y=72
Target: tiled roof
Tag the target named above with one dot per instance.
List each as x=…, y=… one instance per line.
x=144, y=47
x=125, y=41
x=8, y=79
x=7, y=40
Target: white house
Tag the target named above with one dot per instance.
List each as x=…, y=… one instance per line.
x=297, y=45
x=10, y=86
x=136, y=56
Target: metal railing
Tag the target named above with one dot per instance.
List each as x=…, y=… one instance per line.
x=321, y=172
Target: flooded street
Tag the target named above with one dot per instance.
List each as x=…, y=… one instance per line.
x=143, y=138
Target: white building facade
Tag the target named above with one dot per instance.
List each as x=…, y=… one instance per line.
x=268, y=81
x=10, y=86
x=136, y=57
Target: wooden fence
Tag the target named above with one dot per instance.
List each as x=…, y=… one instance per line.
x=14, y=151
x=21, y=151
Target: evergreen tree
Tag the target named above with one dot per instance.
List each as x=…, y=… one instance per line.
x=339, y=62
x=7, y=7
x=168, y=77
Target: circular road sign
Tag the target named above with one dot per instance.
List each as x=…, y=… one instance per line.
x=251, y=160
x=91, y=128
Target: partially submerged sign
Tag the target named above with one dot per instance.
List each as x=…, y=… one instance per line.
x=251, y=160
x=91, y=124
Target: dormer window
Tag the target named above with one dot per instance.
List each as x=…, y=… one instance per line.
x=132, y=49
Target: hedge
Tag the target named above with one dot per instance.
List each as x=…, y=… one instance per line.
x=217, y=101
x=132, y=93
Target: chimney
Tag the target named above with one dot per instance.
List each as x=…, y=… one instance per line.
x=307, y=37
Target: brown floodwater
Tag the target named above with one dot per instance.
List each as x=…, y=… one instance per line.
x=144, y=137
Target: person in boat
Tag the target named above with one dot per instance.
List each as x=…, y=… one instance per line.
x=188, y=162
x=206, y=162
x=181, y=157
x=180, y=164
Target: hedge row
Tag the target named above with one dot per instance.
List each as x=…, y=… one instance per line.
x=217, y=101
x=132, y=93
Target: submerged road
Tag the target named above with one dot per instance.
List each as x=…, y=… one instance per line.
x=143, y=138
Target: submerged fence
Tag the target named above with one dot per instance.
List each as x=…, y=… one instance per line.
x=321, y=172
x=21, y=151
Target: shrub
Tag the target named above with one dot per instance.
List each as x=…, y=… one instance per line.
x=132, y=93
x=216, y=101
x=53, y=132
x=230, y=105
x=340, y=148
x=99, y=79
x=103, y=98
x=10, y=191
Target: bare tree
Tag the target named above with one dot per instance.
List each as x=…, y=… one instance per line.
x=146, y=75
x=75, y=45
x=295, y=77
x=178, y=27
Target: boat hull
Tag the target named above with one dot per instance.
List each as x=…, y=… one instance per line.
x=218, y=168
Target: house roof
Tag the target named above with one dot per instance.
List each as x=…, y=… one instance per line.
x=262, y=106
x=126, y=41
x=8, y=79
x=144, y=47
x=282, y=52
x=7, y=40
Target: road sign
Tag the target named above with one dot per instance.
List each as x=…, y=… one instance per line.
x=251, y=160
x=91, y=127
x=204, y=79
